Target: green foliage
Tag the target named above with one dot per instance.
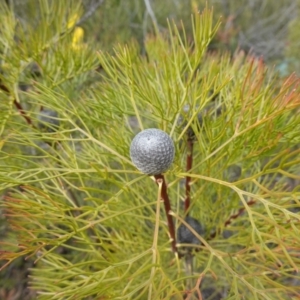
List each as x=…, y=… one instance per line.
x=90, y=221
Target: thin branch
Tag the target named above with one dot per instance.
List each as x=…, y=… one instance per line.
x=23, y=113
x=188, y=263
x=165, y=197
x=18, y=106
x=151, y=13
x=155, y=239
x=189, y=164
x=92, y=9
x=232, y=217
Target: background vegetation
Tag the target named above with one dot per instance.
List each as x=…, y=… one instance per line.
x=80, y=79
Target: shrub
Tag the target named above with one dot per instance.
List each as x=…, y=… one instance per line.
x=91, y=223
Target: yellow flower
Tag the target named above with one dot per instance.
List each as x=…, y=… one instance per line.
x=77, y=41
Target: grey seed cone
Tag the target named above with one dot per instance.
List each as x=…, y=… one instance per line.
x=185, y=235
x=152, y=151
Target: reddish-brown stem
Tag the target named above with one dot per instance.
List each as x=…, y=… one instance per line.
x=167, y=205
x=22, y=112
x=17, y=105
x=233, y=217
x=189, y=164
